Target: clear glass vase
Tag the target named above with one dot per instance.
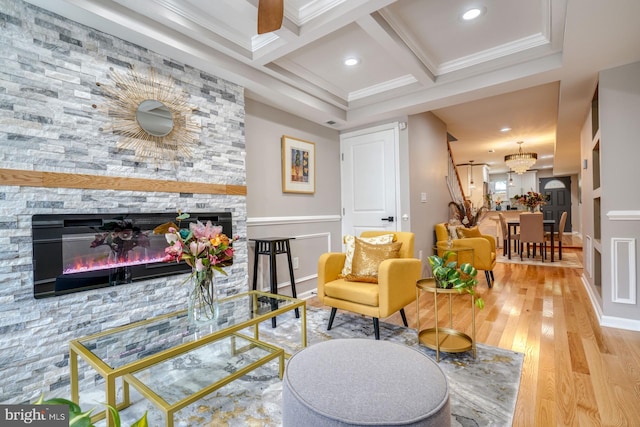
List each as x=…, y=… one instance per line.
x=203, y=297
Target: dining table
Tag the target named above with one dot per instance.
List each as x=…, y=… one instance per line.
x=513, y=224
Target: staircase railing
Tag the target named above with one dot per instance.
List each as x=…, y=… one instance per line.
x=453, y=180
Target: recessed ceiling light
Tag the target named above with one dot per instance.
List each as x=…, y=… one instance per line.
x=505, y=129
x=471, y=14
x=350, y=62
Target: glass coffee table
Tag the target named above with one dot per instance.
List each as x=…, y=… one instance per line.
x=135, y=352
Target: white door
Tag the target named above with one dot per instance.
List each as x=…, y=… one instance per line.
x=369, y=180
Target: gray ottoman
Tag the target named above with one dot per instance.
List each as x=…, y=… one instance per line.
x=361, y=382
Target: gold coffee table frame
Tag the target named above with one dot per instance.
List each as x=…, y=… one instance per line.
x=445, y=339
x=169, y=409
x=278, y=304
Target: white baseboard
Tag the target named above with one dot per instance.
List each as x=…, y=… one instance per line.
x=620, y=323
x=608, y=321
x=308, y=294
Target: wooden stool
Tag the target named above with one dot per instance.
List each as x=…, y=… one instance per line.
x=273, y=246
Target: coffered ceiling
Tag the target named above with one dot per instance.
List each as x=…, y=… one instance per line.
x=530, y=65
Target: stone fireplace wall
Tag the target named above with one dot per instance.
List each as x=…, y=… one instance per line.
x=47, y=89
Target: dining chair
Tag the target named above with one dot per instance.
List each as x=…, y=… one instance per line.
x=532, y=231
x=506, y=238
x=557, y=235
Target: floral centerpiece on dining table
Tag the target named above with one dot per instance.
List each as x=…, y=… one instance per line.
x=206, y=249
x=531, y=200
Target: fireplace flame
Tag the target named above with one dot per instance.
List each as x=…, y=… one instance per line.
x=83, y=266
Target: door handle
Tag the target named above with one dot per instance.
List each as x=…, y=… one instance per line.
x=390, y=219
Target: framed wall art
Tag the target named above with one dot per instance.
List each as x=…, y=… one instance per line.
x=298, y=165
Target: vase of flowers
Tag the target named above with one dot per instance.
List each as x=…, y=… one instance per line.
x=206, y=250
x=203, y=297
x=122, y=237
x=531, y=200
x=467, y=214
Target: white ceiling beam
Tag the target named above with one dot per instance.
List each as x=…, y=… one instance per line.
x=333, y=20
x=519, y=76
x=379, y=30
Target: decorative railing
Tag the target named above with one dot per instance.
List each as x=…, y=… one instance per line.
x=454, y=184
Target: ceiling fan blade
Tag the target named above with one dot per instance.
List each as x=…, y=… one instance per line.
x=270, y=13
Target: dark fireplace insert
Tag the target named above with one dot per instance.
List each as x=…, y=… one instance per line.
x=79, y=252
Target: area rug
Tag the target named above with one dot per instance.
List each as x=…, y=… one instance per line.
x=483, y=391
x=570, y=259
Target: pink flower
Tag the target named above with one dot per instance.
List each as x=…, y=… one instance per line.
x=207, y=231
x=197, y=247
x=199, y=266
x=174, y=251
x=201, y=246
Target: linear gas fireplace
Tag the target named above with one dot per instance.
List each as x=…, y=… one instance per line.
x=78, y=252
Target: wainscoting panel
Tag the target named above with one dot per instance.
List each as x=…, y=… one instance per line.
x=623, y=215
x=311, y=237
x=588, y=254
x=623, y=270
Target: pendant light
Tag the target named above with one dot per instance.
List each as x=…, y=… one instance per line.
x=472, y=185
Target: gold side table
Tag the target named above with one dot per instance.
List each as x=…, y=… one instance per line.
x=445, y=339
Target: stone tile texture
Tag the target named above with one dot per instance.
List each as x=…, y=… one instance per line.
x=50, y=67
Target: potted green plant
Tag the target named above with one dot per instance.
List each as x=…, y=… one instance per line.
x=448, y=275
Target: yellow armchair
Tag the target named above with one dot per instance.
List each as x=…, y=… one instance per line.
x=484, y=250
x=395, y=289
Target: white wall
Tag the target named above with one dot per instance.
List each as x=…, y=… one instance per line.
x=428, y=169
x=313, y=219
x=616, y=301
x=619, y=107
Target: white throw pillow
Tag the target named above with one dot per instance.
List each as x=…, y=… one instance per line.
x=350, y=246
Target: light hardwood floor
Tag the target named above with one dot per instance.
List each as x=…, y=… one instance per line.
x=575, y=372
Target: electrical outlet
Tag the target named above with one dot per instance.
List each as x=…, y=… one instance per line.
x=296, y=262
x=420, y=255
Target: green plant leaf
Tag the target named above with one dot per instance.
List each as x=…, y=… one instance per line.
x=115, y=415
x=467, y=268
x=77, y=418
x=435, y=261
x=82, y=419
x=142, y=422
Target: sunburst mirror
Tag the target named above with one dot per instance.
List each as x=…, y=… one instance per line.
x=151, y=115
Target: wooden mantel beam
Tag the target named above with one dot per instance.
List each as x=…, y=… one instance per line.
x=27, y=178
